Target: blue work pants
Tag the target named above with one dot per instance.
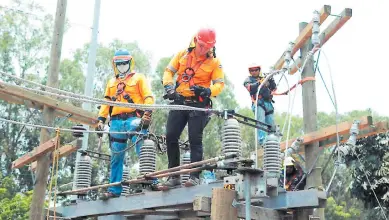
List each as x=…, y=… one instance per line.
x=265, y=114
x=118, y=148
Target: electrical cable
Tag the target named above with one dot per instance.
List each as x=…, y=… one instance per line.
x=83, y=98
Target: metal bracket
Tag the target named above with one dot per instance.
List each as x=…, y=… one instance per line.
x=256, y=179
x=246, y=120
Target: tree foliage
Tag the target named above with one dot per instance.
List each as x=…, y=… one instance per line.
x=24, y=52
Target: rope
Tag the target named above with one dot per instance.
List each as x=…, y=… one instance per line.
x=290, y=107
x=270, y=75
x=336, y=105
x=52, y=179
x=83, y=98
x=337, y=137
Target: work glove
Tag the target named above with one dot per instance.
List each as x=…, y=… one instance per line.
x=171, y=93
x=146, y=118
x=100, y=127
x=201, y=91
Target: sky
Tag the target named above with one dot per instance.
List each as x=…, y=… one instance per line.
x=251, y=31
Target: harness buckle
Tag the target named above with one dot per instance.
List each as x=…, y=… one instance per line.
x=187, y=75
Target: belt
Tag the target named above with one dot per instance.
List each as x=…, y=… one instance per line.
x=124, y=116
x=193, y=101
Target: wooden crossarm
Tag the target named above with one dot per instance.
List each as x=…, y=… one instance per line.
x=64, y=151
x=18, y=95
x=329, y=132
x=34, y=154
x=332, y=28
x=378, y=127
x=304, y=35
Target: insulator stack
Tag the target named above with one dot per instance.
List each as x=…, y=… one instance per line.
x=147, y=158
x=272, y=154
x=231, y=137
x=83, y=172
x=185, y=159
x=126, y=175
x=76, y=133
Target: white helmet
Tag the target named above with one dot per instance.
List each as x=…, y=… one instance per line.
x=289, y=161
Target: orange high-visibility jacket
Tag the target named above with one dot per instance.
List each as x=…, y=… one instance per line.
x=209, y=71
x=136, y=87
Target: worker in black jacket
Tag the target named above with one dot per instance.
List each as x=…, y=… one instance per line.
x=265, y=110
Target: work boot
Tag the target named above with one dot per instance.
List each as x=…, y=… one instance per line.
x=108, y=195
x=172, y=182
x=192, y=181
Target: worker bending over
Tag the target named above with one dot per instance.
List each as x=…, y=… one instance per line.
x=294, y=176
x=126, y=87
x=265, y=109
x=199, y=76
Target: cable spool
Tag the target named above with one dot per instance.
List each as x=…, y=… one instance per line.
x=272, y=155
x=83, y=172
x=185, y=159
x=78, y=134
x=147, y=158
x=126, y=175
x=231, y=137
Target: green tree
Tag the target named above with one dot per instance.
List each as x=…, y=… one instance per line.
x=13, y=206
x=25, y=40
x=339, y=211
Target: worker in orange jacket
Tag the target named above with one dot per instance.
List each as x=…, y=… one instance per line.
x=126, y=87
x=199, y=76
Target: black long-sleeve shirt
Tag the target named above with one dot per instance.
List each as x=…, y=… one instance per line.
x=252, y=83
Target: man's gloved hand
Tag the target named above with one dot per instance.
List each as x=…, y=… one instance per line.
x=146, y=118
x=171, y=92
x=201, y=91
x=100, y=127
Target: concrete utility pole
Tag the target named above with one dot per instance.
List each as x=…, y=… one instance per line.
x=43, y=163
x=310, y=123
x=89, y=80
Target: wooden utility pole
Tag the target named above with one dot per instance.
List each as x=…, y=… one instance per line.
x=43, y=162
x=310, y=121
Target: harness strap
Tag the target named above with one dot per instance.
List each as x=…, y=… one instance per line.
x=118, y=140
x=289, y=183
x=309, y=78
x=189, y=72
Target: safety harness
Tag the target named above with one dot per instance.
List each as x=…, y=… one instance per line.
x=123, y=116
x=189, y=73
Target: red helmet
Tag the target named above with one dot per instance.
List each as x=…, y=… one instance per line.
x=206, y=36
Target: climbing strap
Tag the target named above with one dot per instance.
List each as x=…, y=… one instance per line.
x=52, y=178
x=306, y=79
